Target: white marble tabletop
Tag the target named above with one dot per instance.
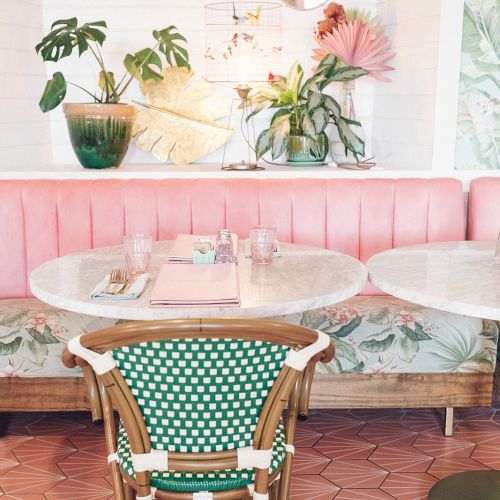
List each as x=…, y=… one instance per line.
x=460, y=277
x=303, y=278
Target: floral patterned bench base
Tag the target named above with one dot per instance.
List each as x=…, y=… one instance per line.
x=382, y=334
x=372, y=335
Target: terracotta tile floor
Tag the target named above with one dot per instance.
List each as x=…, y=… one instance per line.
x=346, y=455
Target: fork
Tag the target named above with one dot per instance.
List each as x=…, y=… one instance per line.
x=118, y=276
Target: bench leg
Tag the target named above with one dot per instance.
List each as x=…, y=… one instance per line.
x=448, y=424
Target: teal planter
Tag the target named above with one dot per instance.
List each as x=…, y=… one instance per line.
x=302, y=149
x=100, y=133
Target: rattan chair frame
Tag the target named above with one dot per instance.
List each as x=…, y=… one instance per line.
x=291, y=387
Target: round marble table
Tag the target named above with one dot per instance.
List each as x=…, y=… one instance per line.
x=303, y=278
x=461, y=277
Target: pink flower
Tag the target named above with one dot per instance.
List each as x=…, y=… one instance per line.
x=11, y=371
x=40, y=321
x=359, y=45
x=406, y=318
x=341, y=315
x=377, y=368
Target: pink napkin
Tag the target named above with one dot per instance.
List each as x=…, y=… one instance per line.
x=200, y=285
x=182, y=249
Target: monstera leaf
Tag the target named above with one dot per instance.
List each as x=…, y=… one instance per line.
x=180, y=117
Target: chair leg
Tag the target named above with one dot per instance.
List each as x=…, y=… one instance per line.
x=448, y=425
x=130, y=493
x=284, y=482
x=94, y=395
x=274, y=490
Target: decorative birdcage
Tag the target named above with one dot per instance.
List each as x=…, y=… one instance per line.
x=243, y=41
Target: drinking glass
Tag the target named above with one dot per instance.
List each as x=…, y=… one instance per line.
x=137, y=249
x=262, y=244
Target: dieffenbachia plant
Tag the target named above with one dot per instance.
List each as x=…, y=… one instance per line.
x=304, y=108
x=145, y=64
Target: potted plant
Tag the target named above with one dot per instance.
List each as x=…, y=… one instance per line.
x=100, y=130
x=357, y=38
x=305, y=110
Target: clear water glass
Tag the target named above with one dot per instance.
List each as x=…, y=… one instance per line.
x=262, y=244
x=137, y=249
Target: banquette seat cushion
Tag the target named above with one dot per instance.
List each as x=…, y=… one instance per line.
x=41, y=220
x=372, y=334
x=33, y=335
x=383, y=334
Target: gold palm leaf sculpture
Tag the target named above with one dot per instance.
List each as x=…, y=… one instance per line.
x=180, y=117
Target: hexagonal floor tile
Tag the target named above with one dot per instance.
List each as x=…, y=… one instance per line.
x=439, y=446
x=306, y=436
x=308, y=461
x=363, y=494
x=383, y=433
x=401, y=459
x=26, y=479
x=7, y=461
x=355, y=474
x=48, y=449
x=444, y=467
x=487, y=454
x=335, y=423
x=479, y=432
x=74, y=489
x=409, y=486
x=85, y=464
x=424, y=420
x=336, y=446
x=373, y=415
x=312, y=488
x=55, y=426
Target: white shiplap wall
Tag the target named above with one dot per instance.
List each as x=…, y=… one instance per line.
x=402, y=112
x=398, y=117
x=24, y=130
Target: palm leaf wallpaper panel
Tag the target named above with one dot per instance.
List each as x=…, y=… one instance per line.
x=478, y=126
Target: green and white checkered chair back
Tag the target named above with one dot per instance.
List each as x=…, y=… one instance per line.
x=201, y=395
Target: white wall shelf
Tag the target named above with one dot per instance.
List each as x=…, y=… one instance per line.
x=213, y=171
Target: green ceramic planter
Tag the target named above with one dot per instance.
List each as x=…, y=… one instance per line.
x=100, y=133
x=302, y=149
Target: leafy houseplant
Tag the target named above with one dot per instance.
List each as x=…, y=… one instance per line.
x=305, y=110
x=100, y=130
x=358, y=39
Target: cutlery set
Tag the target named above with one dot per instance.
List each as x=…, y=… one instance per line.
x=119, y=282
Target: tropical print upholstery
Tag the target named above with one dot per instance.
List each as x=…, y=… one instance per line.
x=33, y=334
x=372, y=334
x=384, y=334
x=201, y=395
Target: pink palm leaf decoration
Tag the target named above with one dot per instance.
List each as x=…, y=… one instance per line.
x=359, y=45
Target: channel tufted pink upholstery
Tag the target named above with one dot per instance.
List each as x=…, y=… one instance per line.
x=484, y=209
x=41, y=220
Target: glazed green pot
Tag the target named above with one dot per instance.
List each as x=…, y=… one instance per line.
x=302, y=149
x=100, y=133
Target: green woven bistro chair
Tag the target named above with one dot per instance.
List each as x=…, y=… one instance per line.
x=200, y=404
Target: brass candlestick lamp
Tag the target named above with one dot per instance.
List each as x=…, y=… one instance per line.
x=247, y=130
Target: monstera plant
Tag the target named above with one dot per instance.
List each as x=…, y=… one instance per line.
x=304, y=112
x=100, y=130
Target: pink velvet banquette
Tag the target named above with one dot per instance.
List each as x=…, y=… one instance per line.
x=41, y=220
